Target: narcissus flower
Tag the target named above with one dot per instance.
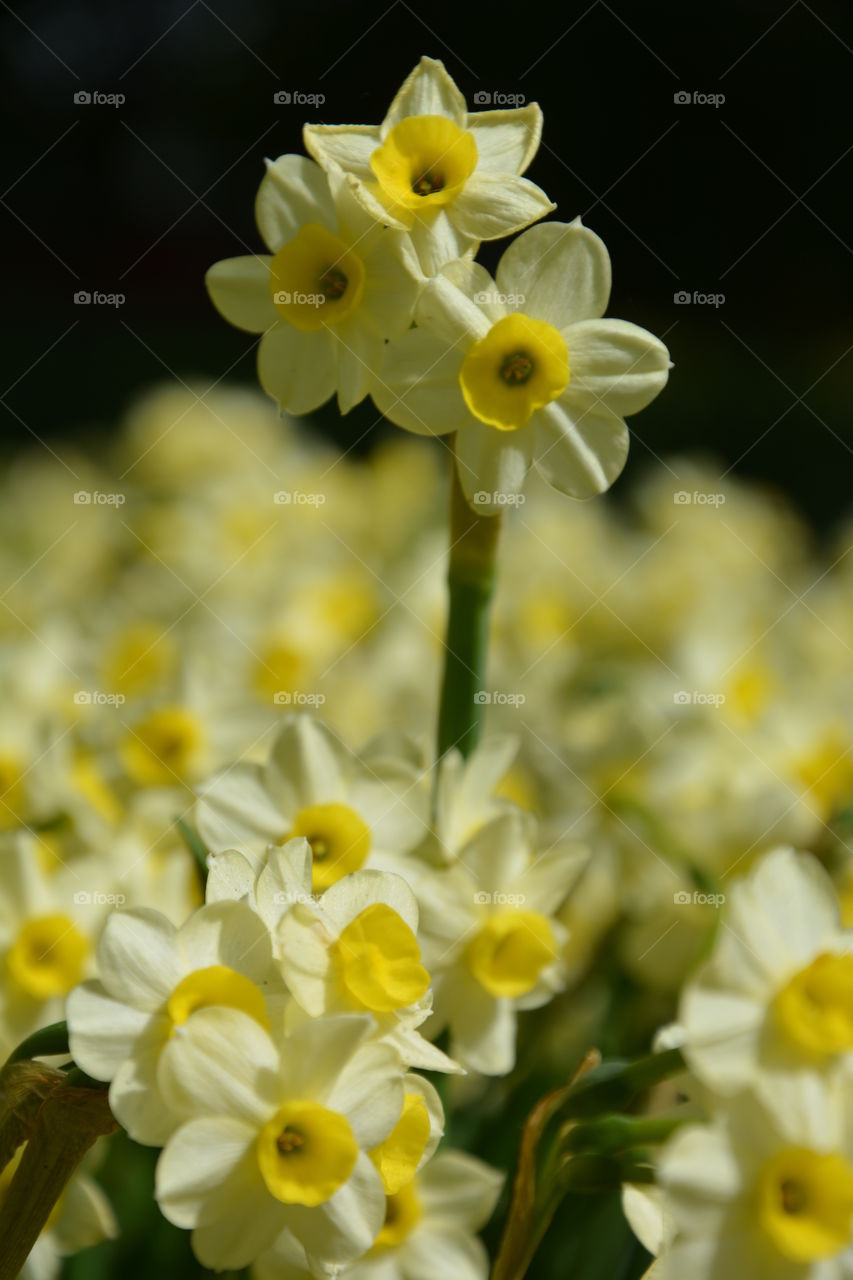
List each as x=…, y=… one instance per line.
x=490, y=939
x=754, y=1194
x=279, y=1136
x=352, y=809
x=153, y=979
x=523, y=369
x=775, y=1001
x=449, y=176
x=356, y=949
x=338, y=284
x=428, y=1230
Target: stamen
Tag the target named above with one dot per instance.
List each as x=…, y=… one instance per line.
x=516, y=368
x=333, y=284
x=427, y=184
x=289, y=1140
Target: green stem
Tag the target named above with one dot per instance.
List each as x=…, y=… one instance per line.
x=470, y=580
x=614, y=1085
x=612, y=1134
x=44, y=1043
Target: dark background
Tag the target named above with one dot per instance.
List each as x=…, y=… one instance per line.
x=746, y=199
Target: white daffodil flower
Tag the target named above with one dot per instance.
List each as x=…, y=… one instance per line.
x=775, y=1000
x=759, y=1195
x=153, y=979
x=524, y=369
x=335, y=286
x=429, y=1229
x=466, y=794
x=448, y=176
x=279, y=1136
x=352, y=809
x=355, y=950
x=282, y=880
x=490, y=940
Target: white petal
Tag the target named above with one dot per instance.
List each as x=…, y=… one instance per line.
x=84, y=1216
x=483, y=1031
x=227, y=933
x=138, y=958
x=317, y=1051
x=355, y=893
x=561, y=269
x=198, y=1159
x=293, y=191
x=297, y=369
x=102, y=1031
x=426, y=91
x=306, y=961
x=460, y=1190
x=359, y=355
x=234, y=810
x=230, y=877
x=579, y=451
x=617, y=363
x=444, y=1252
x=492, y=205
x=551, y=877
x=346, y=1225
x=220, y=1062
x=240, y=291
x=499, y=853
x=418, y=385
x=438, y=241
x=447, y=306
x=369, y=1092
x=135, y=1097
x=492, y=464
x=392, y=285
x=349, y=146
x=506, y=140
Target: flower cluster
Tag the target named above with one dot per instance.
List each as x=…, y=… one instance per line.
x=378, y=232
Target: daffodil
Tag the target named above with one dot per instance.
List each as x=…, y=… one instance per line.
x=153, y=979
x=334, y=287
x=429, y=1228
x=490, y=937
x=774, y=1003
x=354, y=810
x=278, y=1136
x=448, y=176
x=761, y=1194
x=523, y=369
x=356, y=949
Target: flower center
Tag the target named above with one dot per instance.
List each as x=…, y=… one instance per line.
x=804, y=1202
x=510, y=951
x=339, y=840
x=519, y=366
x=402, y=1214
x=216, y=985
x=47, y=957
x=305, y=1153
x=316, y=279
x=424, y=162
x=162, y=747
x=815, y=1008
x=397, y=1158
x=379, y=960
